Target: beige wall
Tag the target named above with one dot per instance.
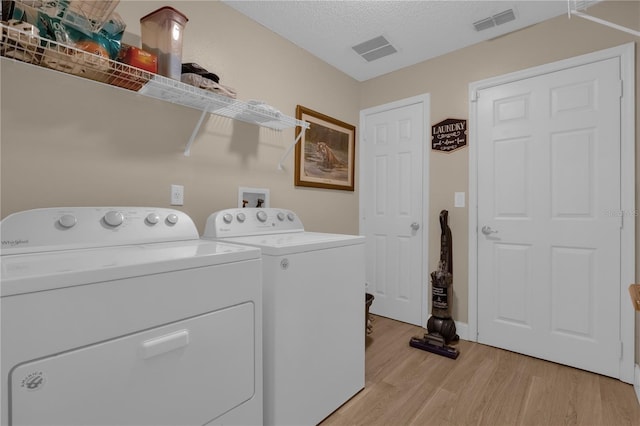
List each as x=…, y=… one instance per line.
x=447, y=79
x=67, y=142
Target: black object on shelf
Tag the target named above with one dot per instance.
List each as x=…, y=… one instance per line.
x=193, y=68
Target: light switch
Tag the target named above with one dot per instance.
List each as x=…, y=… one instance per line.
x=458, y=199
x=177, y=195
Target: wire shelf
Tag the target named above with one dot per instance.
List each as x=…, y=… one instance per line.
x=21, y=45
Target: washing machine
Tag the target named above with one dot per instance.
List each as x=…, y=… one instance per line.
x=124, y=316
x=313, y=307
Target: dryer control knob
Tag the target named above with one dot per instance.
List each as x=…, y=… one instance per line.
x=152, y=218
x=227, y=217
x=113, y=218
x=280, y=216
x=261, y=215
x=67, y=221
x=291, y=217
x=241, y=217
x=172, y=219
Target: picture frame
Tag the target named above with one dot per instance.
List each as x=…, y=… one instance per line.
x=326, y=154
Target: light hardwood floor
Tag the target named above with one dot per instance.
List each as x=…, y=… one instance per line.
x=484, y=386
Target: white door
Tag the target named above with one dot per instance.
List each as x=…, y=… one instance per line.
x=393, y=207
x=548, y=240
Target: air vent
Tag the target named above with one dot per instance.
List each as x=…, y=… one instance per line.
x=504, y=17
x=497, y=19
x=375, y=48
x=485, y=24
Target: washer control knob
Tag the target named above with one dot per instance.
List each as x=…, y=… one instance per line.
x=67, y=221
x=172, y=219
x=152, y=218
x=227, y=217
x=280, y=216
x=261, y=215
x=113, y=218
x=241, y=217
x=291, y=217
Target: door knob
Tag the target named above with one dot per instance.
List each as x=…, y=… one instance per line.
x=487, y=230
x=415, y=226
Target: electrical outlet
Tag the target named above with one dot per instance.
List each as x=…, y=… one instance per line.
x=458, y=200
x=177, y=195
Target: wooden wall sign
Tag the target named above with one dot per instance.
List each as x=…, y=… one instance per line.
x=449, y=135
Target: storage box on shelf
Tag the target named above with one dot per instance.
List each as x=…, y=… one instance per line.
x=85, y=15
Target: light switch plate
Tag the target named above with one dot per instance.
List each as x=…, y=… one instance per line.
x=177, y=195
x=459, y=199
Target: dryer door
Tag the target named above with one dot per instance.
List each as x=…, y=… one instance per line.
x=185, y=373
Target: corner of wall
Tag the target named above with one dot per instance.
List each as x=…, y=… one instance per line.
x=462, y=329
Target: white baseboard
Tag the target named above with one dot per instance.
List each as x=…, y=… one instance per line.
x=636, y=381
x=462, y=329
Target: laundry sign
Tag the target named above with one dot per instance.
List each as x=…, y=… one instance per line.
x=449, y=135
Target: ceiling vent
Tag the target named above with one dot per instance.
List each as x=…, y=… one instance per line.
x=375, y=48
x=497, y=19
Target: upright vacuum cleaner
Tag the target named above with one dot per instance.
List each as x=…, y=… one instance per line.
x=441, y=329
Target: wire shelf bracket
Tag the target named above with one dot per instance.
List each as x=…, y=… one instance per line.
x=288, y=151
x=187, y=150
x=578, y=8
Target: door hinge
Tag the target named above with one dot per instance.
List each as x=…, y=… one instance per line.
x=620, y=88
x=621, y=348
x=474, y=96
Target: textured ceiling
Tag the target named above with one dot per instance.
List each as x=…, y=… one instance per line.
x=419, y=30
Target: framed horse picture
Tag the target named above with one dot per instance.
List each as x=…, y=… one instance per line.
x=326, y=154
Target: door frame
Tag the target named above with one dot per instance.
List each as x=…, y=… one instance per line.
x=626, y=55
x=425, y=100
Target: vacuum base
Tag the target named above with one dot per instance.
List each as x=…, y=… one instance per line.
x=444, y=327
x=428, y=345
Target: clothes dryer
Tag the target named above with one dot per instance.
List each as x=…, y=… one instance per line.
x=313, y=305
x=124, y=316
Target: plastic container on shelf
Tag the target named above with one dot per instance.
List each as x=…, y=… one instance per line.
x=161, y=33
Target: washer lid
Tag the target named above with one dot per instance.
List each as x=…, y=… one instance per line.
x=26, y=273
x=296, y=242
